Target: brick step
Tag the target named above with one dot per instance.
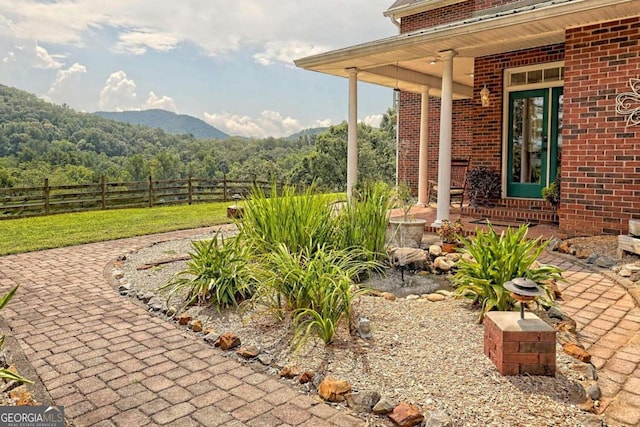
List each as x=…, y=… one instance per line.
x=513, y=214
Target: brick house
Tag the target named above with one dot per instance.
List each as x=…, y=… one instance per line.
x=529, y=88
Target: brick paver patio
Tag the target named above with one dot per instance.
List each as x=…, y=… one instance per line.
x=609, y=327
x=110, y=362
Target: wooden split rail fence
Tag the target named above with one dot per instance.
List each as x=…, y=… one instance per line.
x=49, y=199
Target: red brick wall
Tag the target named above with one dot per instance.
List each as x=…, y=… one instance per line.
x=601, y=157
x=409, y=135
x=441, y=15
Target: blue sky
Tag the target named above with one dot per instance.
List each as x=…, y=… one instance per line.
x=226, y=62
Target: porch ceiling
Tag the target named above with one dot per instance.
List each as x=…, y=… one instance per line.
x=405, y=60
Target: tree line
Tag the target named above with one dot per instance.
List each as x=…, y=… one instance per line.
x=39, y=139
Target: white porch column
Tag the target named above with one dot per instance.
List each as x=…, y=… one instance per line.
x=423, y=154
x=444, y=151
x=352, y=135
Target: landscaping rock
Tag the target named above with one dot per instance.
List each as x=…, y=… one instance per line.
x=412, y=297
x=289, y=372
x=334, y=390
x=594, y=392
x=306, y=377
x=556, y=313
x=587, y=370
x=444, y=292
x=146, y=297
x=117, y=274
x=406, y=256
x=554, y=243
x=363, y=329
x=124, y=289
x=211, y=338
x=605, y=262
x=453, y=257
x=156, y=304
x=248, y=352
x=439, y=419
x=388, y=296
x=436, y=297
x=576, y=351
x=196, y=325
x=443, y=264
x=362, y=401
x=384, y=406
x=564, y=247
x=406, y=415
x=227, y=341
x=435, y=250
x=582, y=254
x=567, y=325
x=265, y=358
x=624, y=272
x=184, y=319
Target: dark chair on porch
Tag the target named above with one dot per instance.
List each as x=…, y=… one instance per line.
x=459, y=169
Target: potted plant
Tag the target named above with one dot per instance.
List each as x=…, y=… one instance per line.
x=450, y=232
x=552, y=193
x=405, y=231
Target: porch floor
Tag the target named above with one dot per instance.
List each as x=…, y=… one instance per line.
x=471, y=222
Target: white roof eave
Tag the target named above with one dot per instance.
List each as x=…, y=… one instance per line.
x=541, y=23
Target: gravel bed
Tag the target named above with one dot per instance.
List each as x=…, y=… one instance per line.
x=426, y=353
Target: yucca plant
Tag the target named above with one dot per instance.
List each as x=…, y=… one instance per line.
x=217, y=273
x=364, y=219
x=287, y=218
x=6, y=373
x=495, y=259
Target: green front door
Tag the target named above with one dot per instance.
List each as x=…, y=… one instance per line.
x=534, y=141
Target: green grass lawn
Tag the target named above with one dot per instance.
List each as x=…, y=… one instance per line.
x=32, y=234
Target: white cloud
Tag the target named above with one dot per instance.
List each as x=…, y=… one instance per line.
x=66, y=84
x=47, y=61
x=285, y=52
x=11, y=57
x=118, y=94
x=268, y=123
x=216, y=26
x=373, y=120
x=138, y=42
x=163, y=103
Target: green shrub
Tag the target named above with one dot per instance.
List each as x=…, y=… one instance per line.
x=363, y=221
x=313, y=286
x=298, y=221
x=496, y=260
x=217, y=273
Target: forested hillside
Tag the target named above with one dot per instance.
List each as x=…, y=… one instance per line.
x=172, y=123
x=39, y=139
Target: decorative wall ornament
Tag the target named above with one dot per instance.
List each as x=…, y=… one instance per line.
x=628, y=103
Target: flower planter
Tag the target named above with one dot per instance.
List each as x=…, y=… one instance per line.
x=406, y=234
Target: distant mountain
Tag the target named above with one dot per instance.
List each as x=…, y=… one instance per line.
x=175, y=124
x=310, y=131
